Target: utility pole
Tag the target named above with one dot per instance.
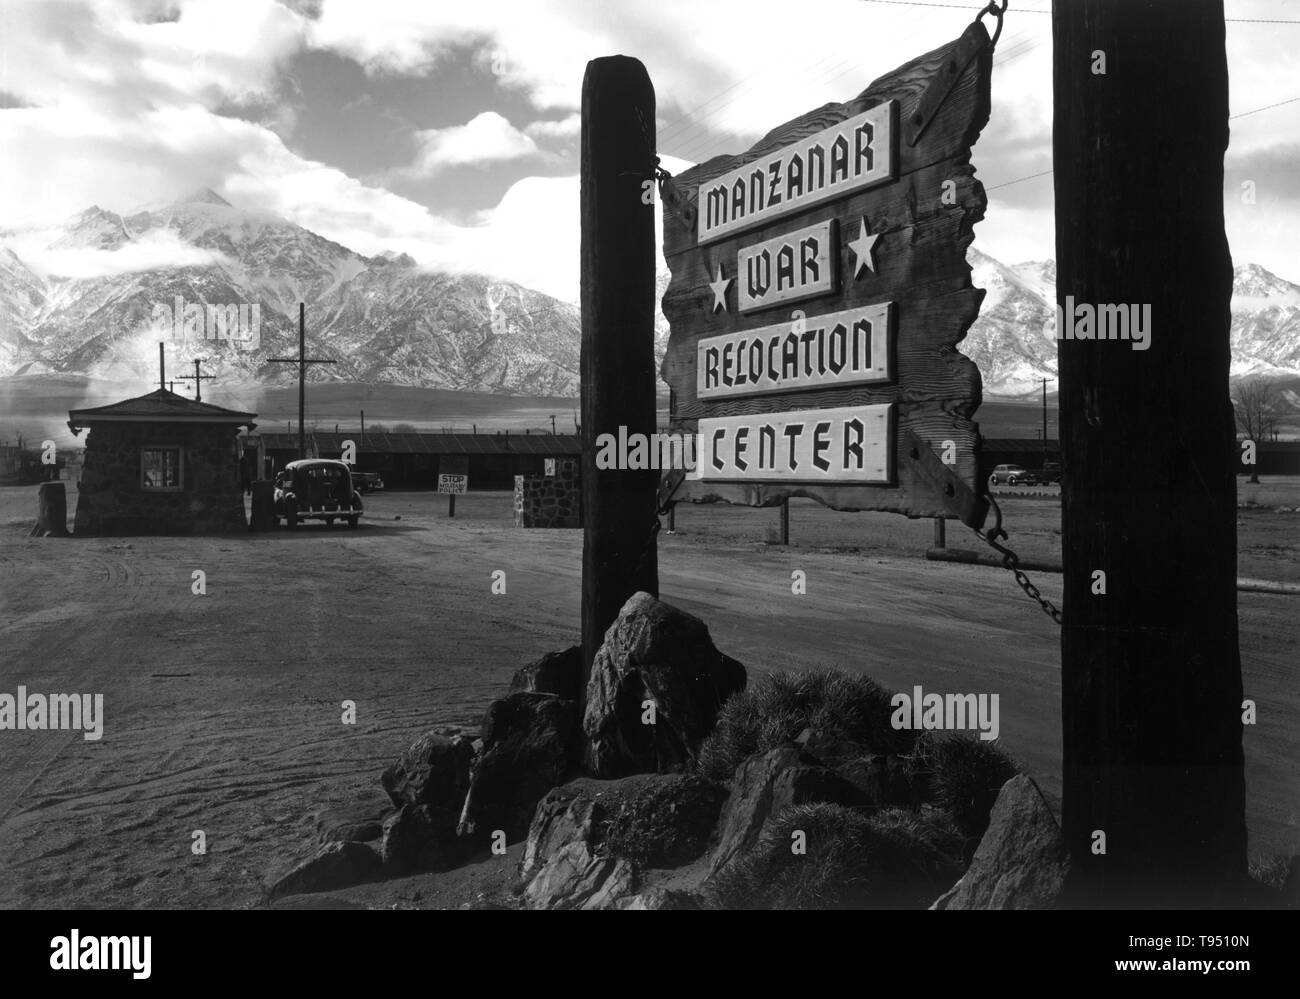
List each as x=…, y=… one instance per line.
x=1044, y=424
x=199, y=379
x=302, y=360
x=1153, y=804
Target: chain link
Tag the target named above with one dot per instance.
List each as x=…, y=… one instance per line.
x=1011, y=561
x=661, y=508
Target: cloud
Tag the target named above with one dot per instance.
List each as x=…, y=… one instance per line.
x=158, y=248
x=485, y=138
x=562, y=128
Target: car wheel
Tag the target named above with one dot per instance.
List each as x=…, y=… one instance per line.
x=352, y=522
x=1012, y=481
x=993, y=481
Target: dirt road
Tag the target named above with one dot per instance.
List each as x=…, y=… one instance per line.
x=223, y=711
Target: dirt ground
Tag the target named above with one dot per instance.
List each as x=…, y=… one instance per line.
x=223, y=712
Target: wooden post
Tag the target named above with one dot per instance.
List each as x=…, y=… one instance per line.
x=785, y=521
x=451, y=505
x=940, y=533
x=618, y=365
x=1150, y=669
x=51, y=511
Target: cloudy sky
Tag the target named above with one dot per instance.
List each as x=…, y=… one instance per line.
x=448, y=129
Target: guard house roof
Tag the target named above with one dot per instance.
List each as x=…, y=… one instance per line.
x=542, y=445
x=159, y=406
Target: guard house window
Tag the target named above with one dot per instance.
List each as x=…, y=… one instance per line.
x=160, y=469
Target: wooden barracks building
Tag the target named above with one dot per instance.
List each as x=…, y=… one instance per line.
x=414, y=460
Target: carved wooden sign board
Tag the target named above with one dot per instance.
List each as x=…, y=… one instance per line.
x=819, y=291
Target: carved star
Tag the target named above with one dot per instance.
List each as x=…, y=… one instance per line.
x=864, y=248
x=720, y=291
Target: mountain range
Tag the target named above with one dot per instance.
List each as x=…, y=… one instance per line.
x=384, y=320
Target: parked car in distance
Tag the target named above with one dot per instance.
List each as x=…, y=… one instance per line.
x=1051, y=472
x=1012, y=475
x=367, y=482
x=316, y=489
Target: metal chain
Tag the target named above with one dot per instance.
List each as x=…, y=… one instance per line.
x=997, y=12
x=1011, y=561
x=662, y=508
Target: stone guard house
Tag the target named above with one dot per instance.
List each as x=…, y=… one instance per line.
x=160, y=464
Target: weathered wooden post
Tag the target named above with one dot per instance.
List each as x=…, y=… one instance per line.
x=1154, y=801
x=940, y=533
x=785, y=521
x=618, y=365
x=51, y=511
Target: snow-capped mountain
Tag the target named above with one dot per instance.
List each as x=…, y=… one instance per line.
x=1013, y=340
x=382, y=319
x=387, y=321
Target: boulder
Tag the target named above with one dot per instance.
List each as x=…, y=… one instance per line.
x=884, y=779
x=659, y=898
x=565, y=815
x=827, y=748
x=530, y=744
x=576, y=878
x=348, y=826
x=422, y=838
x=666, y=822
x=434, y=770
x=558, y=673
x=334, y=865
x=1021, y=863
x=654, y=652
x=765, y=784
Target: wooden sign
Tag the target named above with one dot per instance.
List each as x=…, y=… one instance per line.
x=843, y=348
x=801, y=264
x=811, y=445
x=819, y=280
x=456, y=485
x=842, y=157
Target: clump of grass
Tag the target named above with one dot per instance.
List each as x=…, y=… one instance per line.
x=1270, y=870
x=961, y=775
x=774, y=709
x=892, y=859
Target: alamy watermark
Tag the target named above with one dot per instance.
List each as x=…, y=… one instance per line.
x=92, y=953
x=238, y=322
x=919, y=711
x=1104, y=321
x=56, y=712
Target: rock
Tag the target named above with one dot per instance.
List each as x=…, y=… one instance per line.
x=667, y=822
x=1291, y=886
x=558, y=673
x=659, y=898
x=434, y=770
x=827, y=749
x=884, y=779
x=343, y=826
x=334, y=865
x=422, y=838
x=765, y=784
x=654, y=652
x=530, y=744
x=576, y=878
x=565, y=815
x=1021, y=863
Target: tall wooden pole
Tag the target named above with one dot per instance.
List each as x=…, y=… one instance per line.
x=302, y=380
x=1150, y=669
x=618, y=367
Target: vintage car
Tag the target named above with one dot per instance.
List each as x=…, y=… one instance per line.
x=1012, y=475
x=367, y=482
x=316, y=489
